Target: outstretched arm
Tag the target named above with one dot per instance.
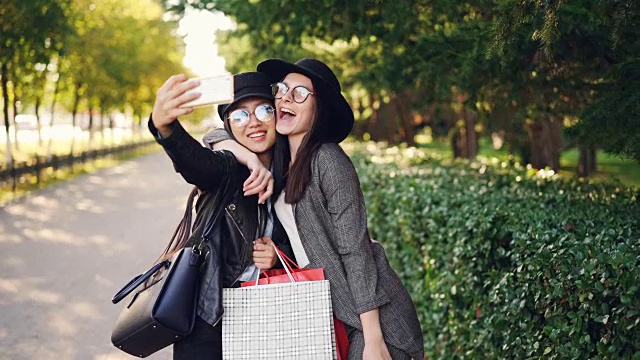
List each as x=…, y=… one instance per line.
x=197, y=164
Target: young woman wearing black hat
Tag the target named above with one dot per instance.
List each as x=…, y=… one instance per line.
x=247, y=227
x=322, y=209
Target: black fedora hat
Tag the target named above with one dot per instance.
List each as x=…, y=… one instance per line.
x=328, y=87
x=246, y=85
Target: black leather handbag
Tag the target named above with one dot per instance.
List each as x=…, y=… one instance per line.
x=161, y=303
x=161, y=308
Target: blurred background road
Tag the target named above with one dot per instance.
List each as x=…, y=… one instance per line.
x=66, y=250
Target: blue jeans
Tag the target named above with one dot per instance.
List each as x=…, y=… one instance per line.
x=205, y=342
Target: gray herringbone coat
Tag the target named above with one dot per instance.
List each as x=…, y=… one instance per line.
x=332, y=222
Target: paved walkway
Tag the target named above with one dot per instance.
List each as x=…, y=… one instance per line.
x=65, y=250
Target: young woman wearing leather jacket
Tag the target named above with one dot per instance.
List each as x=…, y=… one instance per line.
x=241, y=243
x=322, y=208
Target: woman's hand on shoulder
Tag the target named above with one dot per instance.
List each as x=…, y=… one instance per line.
x=259, y=182
x=171, y=95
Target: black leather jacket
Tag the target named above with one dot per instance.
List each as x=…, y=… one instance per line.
x=230, y=245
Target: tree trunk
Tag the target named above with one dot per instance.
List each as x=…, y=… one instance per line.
x=112, y=141
x=406, y=122
x=555, y=138
x=38, y=121
x=470, y=132
x=463, y=137
x=89, y=143
x=380, y=121
x=14, y=105
x=458, y=141
x=374, y=120
x=53, y=109
x=5, y=110
x=387, y=123
x=583, y=162
x=545, y=140
x=539, y=156
x=74, y=113
x=593, y=156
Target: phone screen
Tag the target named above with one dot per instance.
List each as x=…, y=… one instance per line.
x=214, y=90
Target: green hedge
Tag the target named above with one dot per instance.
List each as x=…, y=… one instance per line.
x=506, y=262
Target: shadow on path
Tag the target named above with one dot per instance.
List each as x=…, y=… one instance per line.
x=67, y=249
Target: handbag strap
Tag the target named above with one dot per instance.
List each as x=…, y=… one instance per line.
x=210, y=212
x=185, y=225
x=136, y=281
x=183, y=229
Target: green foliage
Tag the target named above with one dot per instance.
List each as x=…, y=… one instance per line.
x=590, y=60
x=120, y=54
x=506, y=262
x=613, y=119
x=32, y=30
x=539, y=60
x=107, y=54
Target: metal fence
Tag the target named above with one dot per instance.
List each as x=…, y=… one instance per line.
x=37, y=164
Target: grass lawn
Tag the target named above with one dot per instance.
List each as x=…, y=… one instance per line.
x=48, y=177
x=28, y=149
x=609, y=167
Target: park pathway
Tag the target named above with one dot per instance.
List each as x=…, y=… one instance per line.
x=65, y=250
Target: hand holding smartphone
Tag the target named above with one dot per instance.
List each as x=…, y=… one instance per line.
x=213, y=90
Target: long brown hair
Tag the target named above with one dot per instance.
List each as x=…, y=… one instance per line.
x=299, y=175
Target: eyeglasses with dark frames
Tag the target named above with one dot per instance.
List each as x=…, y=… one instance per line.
x=299, y=93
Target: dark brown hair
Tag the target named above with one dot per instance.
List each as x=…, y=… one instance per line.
x=299, y=175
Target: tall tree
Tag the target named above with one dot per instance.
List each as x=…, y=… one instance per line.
x=545, y=63
x=29, y=30
x=588, y=62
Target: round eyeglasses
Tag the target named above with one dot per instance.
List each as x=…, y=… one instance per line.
x=241, y=117
x=298, y=93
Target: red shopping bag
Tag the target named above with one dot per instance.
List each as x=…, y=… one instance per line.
x=279, y=276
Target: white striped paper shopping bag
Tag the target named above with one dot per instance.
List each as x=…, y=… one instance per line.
x=278, y=321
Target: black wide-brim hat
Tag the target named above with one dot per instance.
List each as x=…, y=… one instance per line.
x=248, y=85
x=326, y=86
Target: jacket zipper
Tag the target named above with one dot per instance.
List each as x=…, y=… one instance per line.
x=243, y=238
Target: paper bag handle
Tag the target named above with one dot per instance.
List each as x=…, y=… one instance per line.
x=285, y=264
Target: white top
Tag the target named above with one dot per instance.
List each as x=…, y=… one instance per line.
x=285, y=215
x=252, y=271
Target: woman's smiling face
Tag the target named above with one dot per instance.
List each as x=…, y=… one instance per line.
x=255, y=135
x=295, y=119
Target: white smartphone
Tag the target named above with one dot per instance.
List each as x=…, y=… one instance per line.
x=214, y=90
